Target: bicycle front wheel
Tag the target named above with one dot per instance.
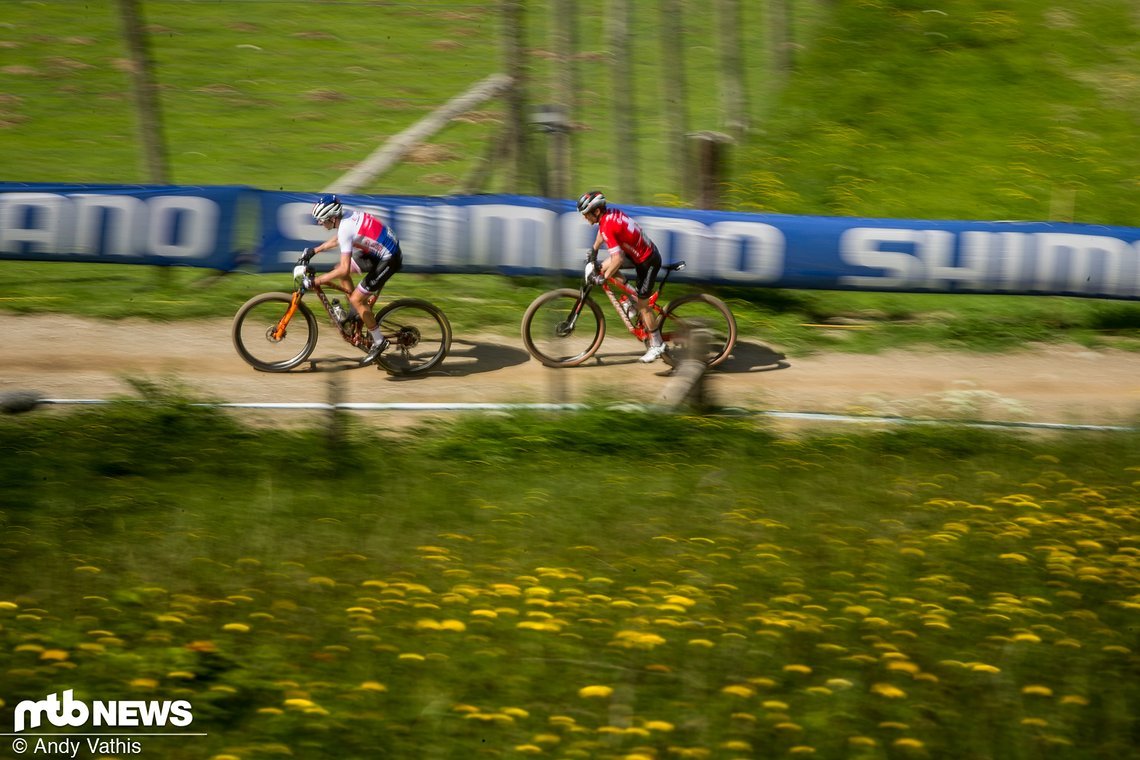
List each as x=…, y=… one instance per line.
x=419, y=333
x=255, y=324
x=554, y=336
x=701, y=323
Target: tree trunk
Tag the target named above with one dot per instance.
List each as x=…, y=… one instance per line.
x=145, y=87
x=780, y=38
x=732, y=68
x=675, y=96
x=624, y=106
x=514, y=36
x=563, y=42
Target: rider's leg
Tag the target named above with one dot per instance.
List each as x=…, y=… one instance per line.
x=646, y=279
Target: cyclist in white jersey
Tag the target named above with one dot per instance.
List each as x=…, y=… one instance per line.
x=366, y=246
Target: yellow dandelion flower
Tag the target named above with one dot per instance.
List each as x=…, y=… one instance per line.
x=862, y=741
x=595, y=691
x=1035, y=722
x=550, y=739
x=516, y=712
x=774, y=705
x=320, y=580
x=788, y=726
x=489, y=614
x=298, y=703
x=888, y=690
x=1074, y=699
x=663, y=726
x=427, y=624
x=9, y=606
x=226, y=757
x=857, y=609
x=55, y=655
x=528, y=749
x=701, y=643
x=410, y=657
x=373, y=686
x=908, y=743
x=903, y=666
x=736, y=745
x=1036, y=690
x=236, y=628
x=88, y=569
x=1029, y=638
x=981, y=667
x=270, y=711
x=637, y=756
x=184, y=675
x=144, y=683
x=839, y=683
x=800, y=669
x=1014, y=557
x=801, y=749
x=737, y=690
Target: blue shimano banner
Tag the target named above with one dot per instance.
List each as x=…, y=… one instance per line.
x=511, y=235
x=122, y=224
x=524, y=235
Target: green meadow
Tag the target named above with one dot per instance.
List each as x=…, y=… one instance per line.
x=496, y=587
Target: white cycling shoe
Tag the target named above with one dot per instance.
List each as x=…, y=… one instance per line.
x=377, y=349
x=653, y=354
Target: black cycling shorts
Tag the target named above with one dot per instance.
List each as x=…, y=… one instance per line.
x=380, y=271
x=647, y=273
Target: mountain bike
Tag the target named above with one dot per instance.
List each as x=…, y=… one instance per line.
x=565, y=327
x=276, y=332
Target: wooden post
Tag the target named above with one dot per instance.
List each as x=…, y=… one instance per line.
x=709, y=156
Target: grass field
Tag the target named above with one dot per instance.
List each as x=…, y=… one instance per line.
x=596, y=585
x=495, y=588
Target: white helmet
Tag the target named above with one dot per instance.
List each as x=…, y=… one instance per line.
x=327, y=207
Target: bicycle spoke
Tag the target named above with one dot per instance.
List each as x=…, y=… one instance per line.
x=257, y=339
x=554, y=336
x=699, y=323
x=418, y=338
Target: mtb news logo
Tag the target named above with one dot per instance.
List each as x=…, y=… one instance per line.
x=73, y=713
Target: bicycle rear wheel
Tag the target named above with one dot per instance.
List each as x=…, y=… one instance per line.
x=419, y=334
x=698, y=319
x=255, y=323
x=549, y=335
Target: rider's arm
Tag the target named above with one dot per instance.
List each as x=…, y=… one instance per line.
x=340, y=272
x=612, y=264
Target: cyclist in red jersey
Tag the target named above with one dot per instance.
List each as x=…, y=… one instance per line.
x=628, y=246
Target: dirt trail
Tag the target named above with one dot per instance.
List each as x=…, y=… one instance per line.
x=60, y=357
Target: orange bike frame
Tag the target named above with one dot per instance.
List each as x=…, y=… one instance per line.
x=638, y=331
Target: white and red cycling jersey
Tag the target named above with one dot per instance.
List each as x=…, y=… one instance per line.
x=363, y=236
x=622, y=235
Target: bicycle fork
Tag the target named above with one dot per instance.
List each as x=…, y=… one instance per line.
x=279, y=331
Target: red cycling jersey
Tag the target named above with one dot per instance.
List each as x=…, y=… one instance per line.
x=621, y=234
